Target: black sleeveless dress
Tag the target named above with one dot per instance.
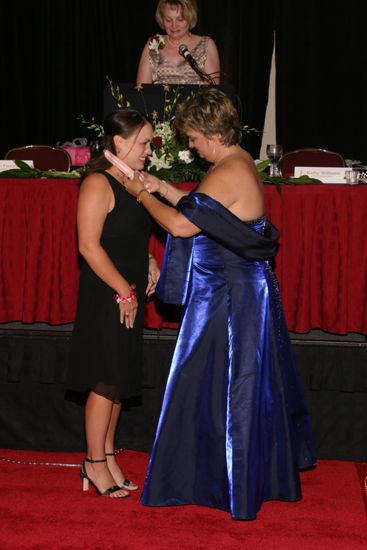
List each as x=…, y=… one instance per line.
x=106, y=356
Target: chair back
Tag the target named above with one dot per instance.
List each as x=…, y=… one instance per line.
x=309, y=157
x=44, y=157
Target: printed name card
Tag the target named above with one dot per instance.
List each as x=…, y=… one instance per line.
x=322, y=173
x=10, y=164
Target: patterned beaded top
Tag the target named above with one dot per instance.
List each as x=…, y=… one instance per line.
x=166, y=71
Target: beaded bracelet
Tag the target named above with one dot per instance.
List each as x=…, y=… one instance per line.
x=127, y=299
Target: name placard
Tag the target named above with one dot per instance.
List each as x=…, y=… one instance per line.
x=323, y=173
x=10, y=164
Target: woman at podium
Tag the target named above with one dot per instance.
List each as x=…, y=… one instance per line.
x=178, y=57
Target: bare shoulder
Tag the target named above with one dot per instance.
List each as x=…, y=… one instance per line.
x=241, y=160
x=236, y=184
x=235, y=167
x=198, y=38
x=96, y=184
x=95, y=179
x=211, y=43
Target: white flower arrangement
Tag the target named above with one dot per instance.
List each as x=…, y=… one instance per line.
x=171, y=159
x=156, y=43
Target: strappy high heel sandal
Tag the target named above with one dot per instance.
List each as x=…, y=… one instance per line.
x=127, y=484
x=86, y=480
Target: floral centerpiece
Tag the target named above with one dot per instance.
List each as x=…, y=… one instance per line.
x=171, y=158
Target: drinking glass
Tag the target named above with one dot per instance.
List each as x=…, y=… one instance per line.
x=352, y=177
x=274, y=151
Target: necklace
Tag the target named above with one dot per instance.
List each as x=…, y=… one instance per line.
x=178, y=42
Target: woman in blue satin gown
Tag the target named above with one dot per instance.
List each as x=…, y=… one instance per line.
x=234, y=430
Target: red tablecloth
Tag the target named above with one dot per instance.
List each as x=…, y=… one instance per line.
x=321, y=263
x=322, y=260
x=39, y=272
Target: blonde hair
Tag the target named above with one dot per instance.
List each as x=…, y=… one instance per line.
x=210, y=111
x=189, y=11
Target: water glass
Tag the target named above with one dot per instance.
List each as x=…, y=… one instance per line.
x=352, y=177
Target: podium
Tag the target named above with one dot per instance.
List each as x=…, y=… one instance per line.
x=148, y=98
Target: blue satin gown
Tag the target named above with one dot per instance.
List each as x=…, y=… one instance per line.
x=234, y=429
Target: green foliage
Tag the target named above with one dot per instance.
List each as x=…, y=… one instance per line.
x=92, y=125
x=26, y=171
x=278, y=181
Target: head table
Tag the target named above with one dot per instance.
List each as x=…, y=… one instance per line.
x=321, y=263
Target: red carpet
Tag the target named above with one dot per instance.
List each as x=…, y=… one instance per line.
x=43, y=508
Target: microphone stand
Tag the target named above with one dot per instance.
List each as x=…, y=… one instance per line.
x=206, y=76
x=203, y=75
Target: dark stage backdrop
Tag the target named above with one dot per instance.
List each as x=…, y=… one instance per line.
x=37, y=413
x=56, y=56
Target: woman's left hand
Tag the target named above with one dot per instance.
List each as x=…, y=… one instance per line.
x=151, y=183
x=153, y=276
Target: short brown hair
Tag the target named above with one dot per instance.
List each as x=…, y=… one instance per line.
x=189, y=11
x=210, y=111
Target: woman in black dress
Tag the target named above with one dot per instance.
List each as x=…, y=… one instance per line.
x=116, y=274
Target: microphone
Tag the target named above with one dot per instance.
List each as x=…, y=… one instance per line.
x=184, y=51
